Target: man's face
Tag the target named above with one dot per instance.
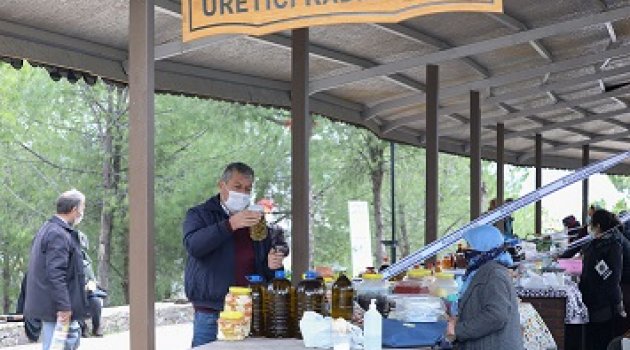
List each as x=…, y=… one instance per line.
x=237, y=183
x=77, y=212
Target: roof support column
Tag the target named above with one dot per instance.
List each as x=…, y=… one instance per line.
x=392, y=178
x=475, y=155
x=300, y=135
x=141, y=175
x=585, y=160
x=501, y=168
x=432, y=154
x=539, y=156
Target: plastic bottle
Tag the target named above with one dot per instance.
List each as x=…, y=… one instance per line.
x=373, y=328
x=256, y=284
x=310, y=297
x=60, y=335
x=342, y=298
x=278, y=307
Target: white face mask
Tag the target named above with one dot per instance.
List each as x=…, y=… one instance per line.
x=237, y=201
x=78, y=219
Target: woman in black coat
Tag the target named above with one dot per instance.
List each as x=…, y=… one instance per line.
x=602, y=265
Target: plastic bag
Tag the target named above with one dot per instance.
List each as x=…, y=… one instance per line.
x=316, y=330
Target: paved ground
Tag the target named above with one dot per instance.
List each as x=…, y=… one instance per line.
x=173, y=337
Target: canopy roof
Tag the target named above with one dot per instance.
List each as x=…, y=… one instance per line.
x=549, y=67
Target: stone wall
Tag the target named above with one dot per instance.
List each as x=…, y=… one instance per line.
x=114, y=319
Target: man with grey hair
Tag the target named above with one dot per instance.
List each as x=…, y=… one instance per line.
x=55, y=282
x=221, y=251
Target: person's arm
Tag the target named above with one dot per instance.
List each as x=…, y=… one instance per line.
x=614, y=260
x=57, y=256
x=496, y=309
x=201, y=239
x=569, y=253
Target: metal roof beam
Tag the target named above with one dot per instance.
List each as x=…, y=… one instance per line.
x=426, y=39
x=568, y=123
x=176, y=48
x=599, y=138
x=547, y=108
x=168, y=7
x=558, y=66
x=518, y=26
x=470, y=49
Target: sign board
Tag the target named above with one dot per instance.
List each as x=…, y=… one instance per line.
x=202, y=18
x=360, y=238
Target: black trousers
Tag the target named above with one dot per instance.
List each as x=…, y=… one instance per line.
x=95, y=311
x=599, y=334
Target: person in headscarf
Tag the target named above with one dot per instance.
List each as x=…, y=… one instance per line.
x=488, y=307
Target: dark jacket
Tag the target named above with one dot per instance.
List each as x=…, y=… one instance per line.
x=600, y=289
x=488, y=312
x=625, y=250
x=55, y=280
x=210, y=262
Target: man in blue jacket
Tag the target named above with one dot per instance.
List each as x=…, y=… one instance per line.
x=221, y=252
x=55, y=283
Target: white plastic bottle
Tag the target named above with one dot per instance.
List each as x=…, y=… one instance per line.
x=373, y=328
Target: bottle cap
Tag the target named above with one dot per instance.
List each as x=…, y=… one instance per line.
x=310, y=275
x=240, y=291
x=254, y=278
x=444, y=275
x=372, y=276
x=231, y=315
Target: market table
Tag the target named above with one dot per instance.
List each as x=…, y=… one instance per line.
x=263, y=343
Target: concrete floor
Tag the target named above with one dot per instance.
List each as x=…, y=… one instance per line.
x=174, y=337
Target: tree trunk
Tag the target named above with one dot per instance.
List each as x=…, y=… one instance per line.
x=6, y=281
x=404, y=245
x=377, y=184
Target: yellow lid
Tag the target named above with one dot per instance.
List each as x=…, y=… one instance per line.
x=418, y=273
x=372, y=276
x=240, y=290
x=329, y=279
x=231, y=315
x=445, y=275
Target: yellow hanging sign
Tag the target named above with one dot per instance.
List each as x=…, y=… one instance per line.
x=203, y=18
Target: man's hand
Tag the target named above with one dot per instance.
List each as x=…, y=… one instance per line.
x=275, y=259
x=63, y=316
x=450, y=329
x=245, y=218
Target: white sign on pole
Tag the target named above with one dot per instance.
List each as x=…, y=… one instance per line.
x=360, y=238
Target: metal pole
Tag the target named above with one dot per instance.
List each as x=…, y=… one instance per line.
x=585, y=160
x=432, y=154
x=392, y=177
x=475, y=155
x=539, y=156
x=300, y=135
x=501, y=167
x=141, y=175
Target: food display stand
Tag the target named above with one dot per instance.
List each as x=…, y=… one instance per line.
x=263, y=343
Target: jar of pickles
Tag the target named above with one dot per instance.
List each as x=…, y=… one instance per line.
x=239, y=299
x=232, y=326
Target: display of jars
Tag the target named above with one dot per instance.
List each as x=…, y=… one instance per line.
x=240, y=299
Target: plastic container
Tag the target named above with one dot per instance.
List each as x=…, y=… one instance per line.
x=278, y=300
x=373, y=287
x=310, y=297
x=443, y=285
x=257, y=286
x=240, y=299
x=232, y=326
x=373, y=328
x=342, y=298
x=328, y=284
x=417, y=308
x=416, y=282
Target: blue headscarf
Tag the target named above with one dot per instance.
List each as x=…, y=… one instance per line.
x=487, y=245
